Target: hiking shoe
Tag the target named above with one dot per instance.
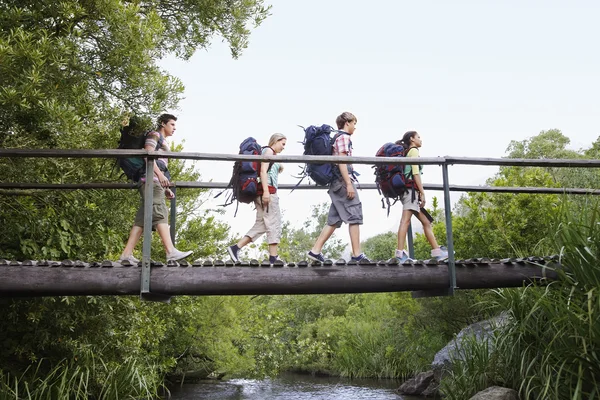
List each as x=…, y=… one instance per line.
x=176, y=255
x=275, y=259
x=360, y=258
x=440, y=254
x=130, y=258
x=233, y=253
x=403, y=256
x=316, y=257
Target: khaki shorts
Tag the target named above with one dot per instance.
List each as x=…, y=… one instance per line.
x=159, y=208
x=408, y=203
x=343, y=209
x=268, y=220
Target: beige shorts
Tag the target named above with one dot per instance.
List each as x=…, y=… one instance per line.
x=408, y=203
x=267, y=221
x=159, y=208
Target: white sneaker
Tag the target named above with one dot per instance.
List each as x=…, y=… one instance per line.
x=129, y=258
x=176, y=255
x=402, y=256
x=440, y=254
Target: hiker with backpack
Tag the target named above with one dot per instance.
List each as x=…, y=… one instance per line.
x=345, y=203
x=266, y=201
x=413, y=201
x=154, y=140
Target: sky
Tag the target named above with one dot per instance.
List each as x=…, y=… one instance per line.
x=469, y=76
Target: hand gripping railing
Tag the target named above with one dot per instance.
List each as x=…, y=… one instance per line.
x=444, y=162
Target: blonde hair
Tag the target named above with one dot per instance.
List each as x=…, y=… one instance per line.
x=276, y=137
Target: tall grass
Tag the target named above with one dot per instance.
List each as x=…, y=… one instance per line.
x=550, y=349
x=68, y=380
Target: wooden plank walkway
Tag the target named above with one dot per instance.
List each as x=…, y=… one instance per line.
x=74, y=278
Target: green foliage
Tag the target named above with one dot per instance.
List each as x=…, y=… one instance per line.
x=548, y=350
x=71, y=72
x=383, y=335
x=382, y=246
x=71, y=380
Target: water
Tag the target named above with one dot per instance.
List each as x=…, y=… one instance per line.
x=292, y=387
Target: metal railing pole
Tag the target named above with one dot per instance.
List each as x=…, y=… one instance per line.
x=449, y=240
x=147, y=246
x=411, y=247
x=173, y=218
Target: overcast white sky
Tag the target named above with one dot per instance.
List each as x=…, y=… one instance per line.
x=469, y=76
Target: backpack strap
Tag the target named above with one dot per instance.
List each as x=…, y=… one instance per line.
x=272, y=162
x=353, y=174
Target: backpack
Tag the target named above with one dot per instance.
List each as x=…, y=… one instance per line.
x=244, y=180
x=391, y=180
x=318, y=142
x=133, y=167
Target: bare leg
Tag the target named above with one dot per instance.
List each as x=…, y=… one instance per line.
x=428, y=230
x=165, y=236
x=403, y=228
x=273, y=249
x=244, y=241
x=323, y=237
x=354, y=230
x=134, y=237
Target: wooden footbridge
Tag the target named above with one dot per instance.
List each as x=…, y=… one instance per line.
x=157, y=281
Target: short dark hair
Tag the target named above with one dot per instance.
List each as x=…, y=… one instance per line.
x=164, y=118
x=343, y=118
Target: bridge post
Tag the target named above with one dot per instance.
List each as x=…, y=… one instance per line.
x=147, y=241
x=173, y=217
x=449, y=239
x=411, y=246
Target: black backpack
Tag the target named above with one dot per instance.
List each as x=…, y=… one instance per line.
x=132, y=138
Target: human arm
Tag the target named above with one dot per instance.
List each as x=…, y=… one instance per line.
x=346, y=178
x=416, y=174
x=150, y=145
x=264, y=177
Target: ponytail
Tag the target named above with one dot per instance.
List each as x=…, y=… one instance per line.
x=405, y=141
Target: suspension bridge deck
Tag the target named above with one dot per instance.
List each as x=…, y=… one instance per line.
x=73, y=278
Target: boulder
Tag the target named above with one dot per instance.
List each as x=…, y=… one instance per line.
x=480, y=330
x=417, y=385
x=496, y=393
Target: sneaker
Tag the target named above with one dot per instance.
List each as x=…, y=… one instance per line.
x=316, y=257
x=360, y=258
x=403, y=257
x=233, y=253
x=130, y=258
x=176, y=255
x=274, y=259
x=440, y=254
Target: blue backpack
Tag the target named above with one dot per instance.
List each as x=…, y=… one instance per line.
x=244, y=180
x=318, y=142
x=391, y=180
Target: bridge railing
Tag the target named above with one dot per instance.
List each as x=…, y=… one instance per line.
x=151, y=156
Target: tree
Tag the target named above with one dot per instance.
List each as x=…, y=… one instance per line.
x=71, y=72
x=382, y=246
